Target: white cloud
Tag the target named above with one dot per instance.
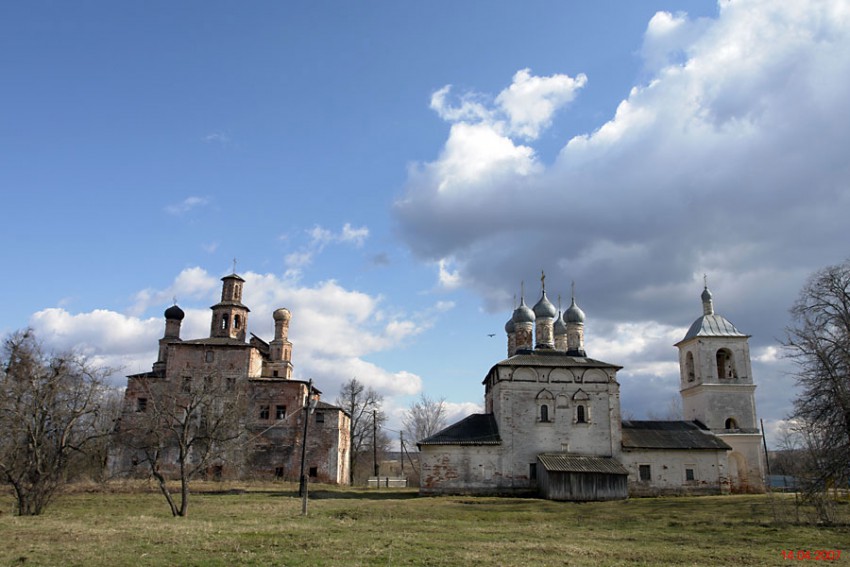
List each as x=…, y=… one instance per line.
x=320, y=238
x=217, y=137
x=186, y=205
x=530, y=102
x=333, y=329
x=728, y=159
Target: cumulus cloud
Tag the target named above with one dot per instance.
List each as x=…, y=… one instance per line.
x=728, y=159
x=334, y=329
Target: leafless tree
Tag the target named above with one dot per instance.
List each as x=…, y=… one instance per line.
x=184, y=430
x=818, y=341
x=50, y=413
x=425, y=417
x=364, y=406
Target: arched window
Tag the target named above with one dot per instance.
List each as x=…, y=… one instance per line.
x=224, y=322
x=689, y=367
x=726, y=365
x=581, y=415
x=236, y=320
x=731, y=423
x=544, y=413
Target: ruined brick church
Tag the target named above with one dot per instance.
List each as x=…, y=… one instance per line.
x=552, y=419
x=274, y=415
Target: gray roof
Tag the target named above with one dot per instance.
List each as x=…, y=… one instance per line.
x=670, y=435
x=476, y=429
x=712, y=326
x=567, y=462
x=549, y=357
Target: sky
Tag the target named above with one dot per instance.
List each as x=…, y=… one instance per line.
x=395, y=173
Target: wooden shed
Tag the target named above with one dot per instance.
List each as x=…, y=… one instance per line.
x=564, y=476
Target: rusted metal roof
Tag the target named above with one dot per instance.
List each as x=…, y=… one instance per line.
x=568, y=462
x=476, y=429
x=669, y=435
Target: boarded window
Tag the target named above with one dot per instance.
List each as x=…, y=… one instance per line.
x=645, y=472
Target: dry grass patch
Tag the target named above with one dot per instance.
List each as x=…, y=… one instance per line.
x=260, y=524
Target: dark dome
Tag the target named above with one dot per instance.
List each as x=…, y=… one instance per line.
x=174, y=312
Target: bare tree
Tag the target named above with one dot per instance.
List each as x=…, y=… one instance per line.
x=818, y=341
x=182, y=430
x=50, y=406
x=425, y=417
x=364, y=406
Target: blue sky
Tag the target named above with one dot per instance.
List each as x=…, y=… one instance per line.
x=391, y=172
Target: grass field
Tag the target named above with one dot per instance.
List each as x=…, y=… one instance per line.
x=263, y=526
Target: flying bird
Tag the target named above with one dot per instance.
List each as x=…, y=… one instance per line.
x=491, y=335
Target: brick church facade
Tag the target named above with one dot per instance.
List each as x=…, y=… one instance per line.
x=273, y=420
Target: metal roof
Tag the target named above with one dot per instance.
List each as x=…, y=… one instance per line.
x=476, y=429
x=712, y=326
x=567, y=462
x=549, y=357
x=670, y=435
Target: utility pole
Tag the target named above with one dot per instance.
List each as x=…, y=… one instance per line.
x=309, y=406
x=375, y=444
x=401, y=452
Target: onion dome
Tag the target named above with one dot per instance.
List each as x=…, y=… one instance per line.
x=510, y=327
x=574, y=314
x=706, y=295
x=523, y=314
x=544, y=308
x=282, y=314
x=560, y=326
x=174, y=312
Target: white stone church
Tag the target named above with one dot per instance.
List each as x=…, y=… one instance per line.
x=552, y=419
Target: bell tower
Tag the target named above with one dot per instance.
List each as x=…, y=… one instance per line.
x=230, y=316
x=717, y=389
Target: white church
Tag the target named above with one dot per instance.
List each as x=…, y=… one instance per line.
x=552, y=420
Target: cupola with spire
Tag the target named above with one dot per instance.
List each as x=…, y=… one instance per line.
x=574, y=321
x=523, y=320
x=544, y=316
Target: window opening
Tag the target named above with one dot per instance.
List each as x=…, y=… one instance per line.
x=581, y=414
x=731, y=423
x=645, y=472
x=264, y=412
x=236, y=321
x=320, y=417
x=209, y=356
x=532, y=471
x=142, y=405
x=689, y=474
x=314, y=472
x=280, y=412
x=278, y=472
x=224, y=322
x=544, y=413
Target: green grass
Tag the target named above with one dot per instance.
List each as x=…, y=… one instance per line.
x=263, y=526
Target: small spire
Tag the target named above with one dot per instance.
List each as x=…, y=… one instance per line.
x=705, y=280
x=543, y=280
x=174, y=300
x=522, y=291
x=514, y=301
x=573, y=291
x=234, y=265
x=559, y=304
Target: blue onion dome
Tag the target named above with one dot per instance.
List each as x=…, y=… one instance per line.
x=544, y=308
x=560, y=326
x=174, y=312
x=510, y=327
x=523, y=314
x=574, y=314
